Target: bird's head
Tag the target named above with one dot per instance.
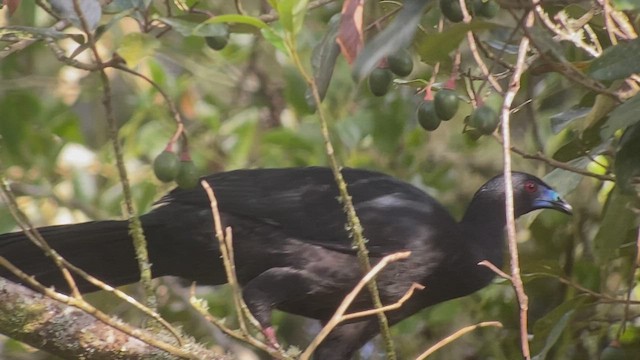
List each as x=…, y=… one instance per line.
x=529, y=193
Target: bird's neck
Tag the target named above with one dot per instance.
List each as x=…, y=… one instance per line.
x=483, y=229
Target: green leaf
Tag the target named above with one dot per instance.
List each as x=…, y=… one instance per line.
x=616, y=62
x=622, y=117
x=627, y=164
x=238, y=19
x=124, y=5
x=561, y=120
x=547, y=44
x=436, y=47
x=397, y=35
x=288, y=140
x=91, y=11
x=551, y=326
x=616, y=226
x=183, y=27
x=275, y=38
x=626, y=5
x=324, y=56
x=137, y=46
x=292, y=13
x=565, y=181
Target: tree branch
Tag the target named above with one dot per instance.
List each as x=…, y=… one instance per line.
x=72, y=333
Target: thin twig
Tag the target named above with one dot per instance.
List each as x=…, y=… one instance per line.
x=451, y=338
x=559, y=164
x=603, y=298
x=226, y=250
x=227, y=260
x=353, y=222
x=202, y=309
x=514, y=85
x=338, y=316
x=172, y=106
x=474, y=50
x=398, y=304
x=495, y=269
x=135, y=226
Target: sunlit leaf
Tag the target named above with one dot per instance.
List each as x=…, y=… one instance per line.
x=275, y=38
x=239, y=19
x=292, y=13
x=137, y=46
x=626, y=5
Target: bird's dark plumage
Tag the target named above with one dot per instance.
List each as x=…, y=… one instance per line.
x=291, y=247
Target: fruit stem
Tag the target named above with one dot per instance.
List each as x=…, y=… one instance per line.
x=184, y=154
x=428, y=94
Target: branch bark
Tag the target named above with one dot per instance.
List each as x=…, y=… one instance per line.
x=71, y=333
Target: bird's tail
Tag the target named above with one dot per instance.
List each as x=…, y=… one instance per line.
x=101, y=248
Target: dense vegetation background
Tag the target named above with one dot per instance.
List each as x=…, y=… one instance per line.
x=574, y=121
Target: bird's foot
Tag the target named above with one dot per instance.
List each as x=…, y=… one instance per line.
x=270, y=334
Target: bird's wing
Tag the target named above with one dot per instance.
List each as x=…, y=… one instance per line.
x=304, y=202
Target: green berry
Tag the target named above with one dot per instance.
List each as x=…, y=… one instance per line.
x=187, y=175
x=486, y=8
x=220, y=38
x=484, y=119
x=446, y=104
x=472, y=135
x=166, y=166
x=380, y=81
x=400, y=63
x=427, y=116
x=451, y=10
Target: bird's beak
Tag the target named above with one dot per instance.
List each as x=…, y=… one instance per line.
x=562, y=206
x=551, y=200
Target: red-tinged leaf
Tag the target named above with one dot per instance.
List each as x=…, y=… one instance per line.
x=12, y=5
x=350, y=36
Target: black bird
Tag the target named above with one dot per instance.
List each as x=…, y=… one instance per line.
x=292, y=251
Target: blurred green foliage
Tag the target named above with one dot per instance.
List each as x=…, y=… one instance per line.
x=245, y=106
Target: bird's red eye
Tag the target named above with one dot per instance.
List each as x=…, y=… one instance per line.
x=530, y=186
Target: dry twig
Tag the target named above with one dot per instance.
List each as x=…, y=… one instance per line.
x=451, y=338
x=509, y=96
x=338, y=316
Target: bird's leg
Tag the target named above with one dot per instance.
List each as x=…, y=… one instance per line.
x=271, y=288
